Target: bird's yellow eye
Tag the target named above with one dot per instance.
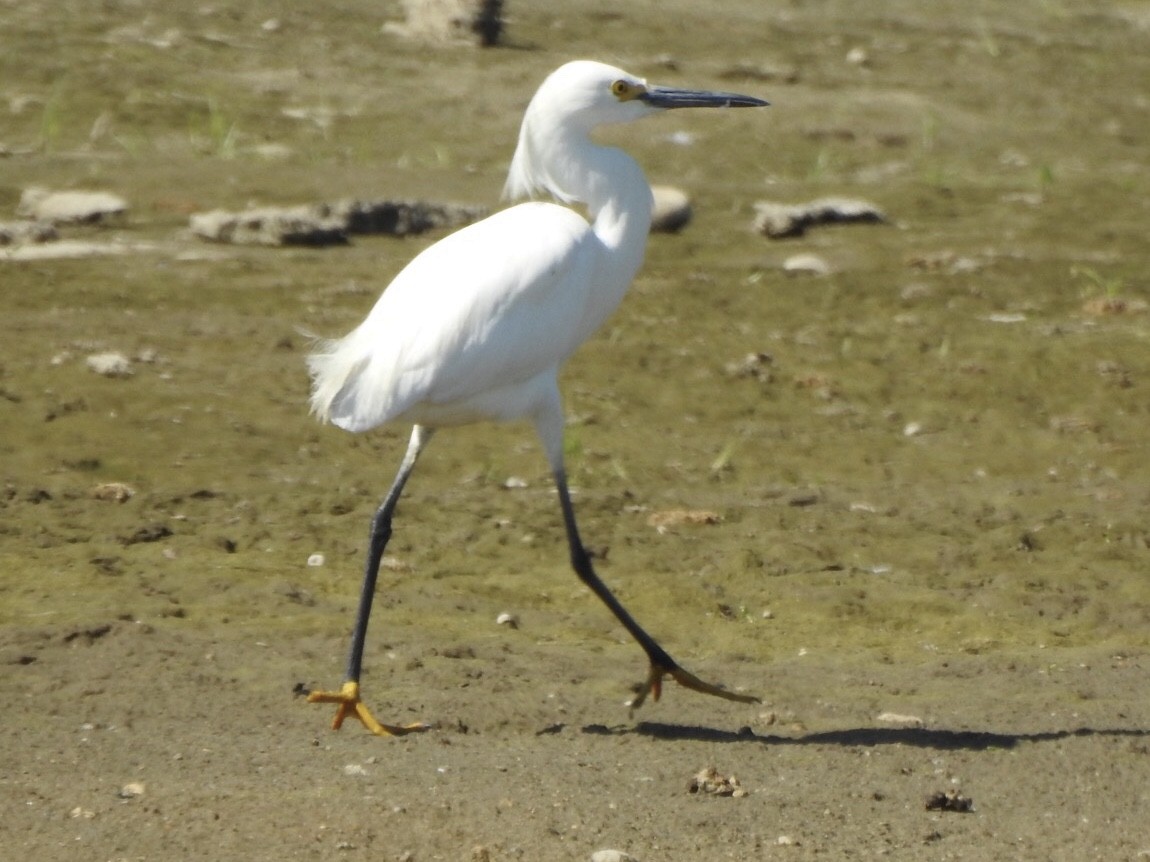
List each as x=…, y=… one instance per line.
x=624, y=90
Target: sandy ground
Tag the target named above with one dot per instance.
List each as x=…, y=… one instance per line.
x=133, y=741
x=929, y=549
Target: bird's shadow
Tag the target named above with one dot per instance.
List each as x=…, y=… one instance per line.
x=919, y=737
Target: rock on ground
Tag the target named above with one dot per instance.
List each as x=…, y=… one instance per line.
x=447, y=21
x=19, y=232
x=672, y=210
x=778, y=220
x=329, y=224
x=402, y=218
x=70, y=207
x=275, y=226
x=68, y=250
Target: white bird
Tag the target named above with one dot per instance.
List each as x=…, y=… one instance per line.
x=477, y=326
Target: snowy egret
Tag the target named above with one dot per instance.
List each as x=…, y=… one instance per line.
x=477, y=326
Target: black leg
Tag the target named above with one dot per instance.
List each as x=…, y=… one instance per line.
x=377, y=542
x=661, y=663
x=581, y=562
x=347, y=699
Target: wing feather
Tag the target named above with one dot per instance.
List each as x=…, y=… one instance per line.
x=492, y=305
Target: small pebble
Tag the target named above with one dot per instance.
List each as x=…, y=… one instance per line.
x=679, y=517
x=612, y=856
x=110, y=364
x=756, y=365
x=1006, y=317
x=506, y=619
x=806, y=264
x=131, y=790
x=903, y=720
x=112, y=492
x=710, y=782
x=316, y=560
x=949, y=800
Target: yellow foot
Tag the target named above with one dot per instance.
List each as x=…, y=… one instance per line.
x=349, y=704
x=654, y=686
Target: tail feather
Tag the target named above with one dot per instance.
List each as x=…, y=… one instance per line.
x=334, y=367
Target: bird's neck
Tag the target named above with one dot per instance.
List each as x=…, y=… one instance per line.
x=573, y=168
x=619, y=202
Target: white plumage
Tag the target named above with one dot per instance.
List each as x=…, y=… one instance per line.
x=440, y=342
x=477, y=326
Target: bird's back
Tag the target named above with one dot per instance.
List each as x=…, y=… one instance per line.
x=483, y=311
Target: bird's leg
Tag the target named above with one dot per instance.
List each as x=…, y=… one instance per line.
x=347, y=699
x=662, y=665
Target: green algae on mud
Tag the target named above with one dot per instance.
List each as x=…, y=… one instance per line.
x=967, y=429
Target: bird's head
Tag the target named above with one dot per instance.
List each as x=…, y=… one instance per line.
x=582, y=95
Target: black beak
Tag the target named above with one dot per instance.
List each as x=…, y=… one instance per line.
x=672, y=97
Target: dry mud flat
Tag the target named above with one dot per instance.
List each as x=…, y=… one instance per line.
x=129, y=741
x=926, y=456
